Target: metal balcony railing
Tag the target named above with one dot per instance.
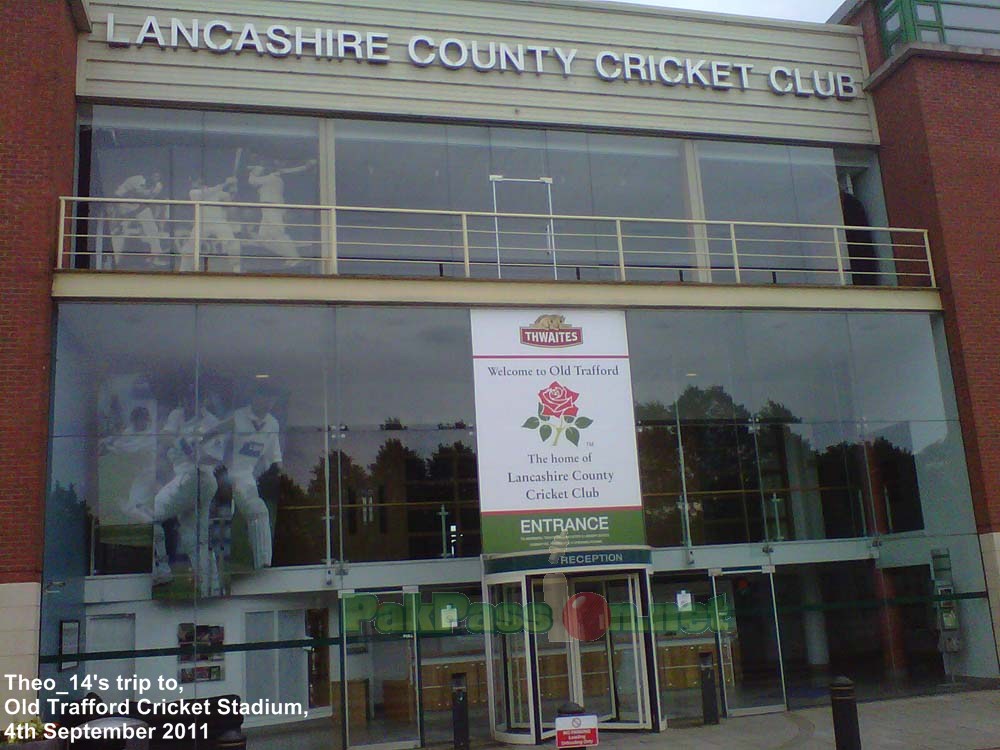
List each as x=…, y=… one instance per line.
x=159, y=235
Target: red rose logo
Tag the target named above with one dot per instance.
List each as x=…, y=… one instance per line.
x=558, y=401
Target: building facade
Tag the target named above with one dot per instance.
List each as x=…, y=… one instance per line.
x=549, y=349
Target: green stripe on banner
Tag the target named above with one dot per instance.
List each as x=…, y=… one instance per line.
x=504, y=533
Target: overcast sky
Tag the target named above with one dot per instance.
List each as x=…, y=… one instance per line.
x=796, y=10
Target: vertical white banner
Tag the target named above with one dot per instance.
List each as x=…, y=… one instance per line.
x=555, y=427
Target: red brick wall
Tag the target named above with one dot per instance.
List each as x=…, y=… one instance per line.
x=941, y=168
x=37, y=124
x=865, y=16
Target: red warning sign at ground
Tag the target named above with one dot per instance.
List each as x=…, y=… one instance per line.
x=576, y=731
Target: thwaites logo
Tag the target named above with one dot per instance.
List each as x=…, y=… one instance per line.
x=551, y=332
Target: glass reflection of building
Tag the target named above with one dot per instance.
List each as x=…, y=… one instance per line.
x=803, y=464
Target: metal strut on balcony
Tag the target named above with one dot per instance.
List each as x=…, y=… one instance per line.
x=113, y=234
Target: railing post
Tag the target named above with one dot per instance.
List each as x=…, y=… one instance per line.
x=196, y=238
x=62, y=233
x=930, y=261
x=840, y=259
x=331, y=261
x=465, y=245
x=736, y=252
x=621, y=249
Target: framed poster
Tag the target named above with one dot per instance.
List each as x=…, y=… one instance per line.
x=195, y=665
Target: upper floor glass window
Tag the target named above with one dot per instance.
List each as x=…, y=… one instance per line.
x=534, y=203
x=973, y=23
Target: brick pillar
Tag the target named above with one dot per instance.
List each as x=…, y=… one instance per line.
x=37, y=135
x=940, y=154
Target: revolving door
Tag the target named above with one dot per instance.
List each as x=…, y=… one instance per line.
x=569, y=637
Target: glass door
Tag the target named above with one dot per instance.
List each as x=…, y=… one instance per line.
x=684, y=630
x=379, y=670
x=749, y=643
x=597, y=685
x=508, y=666
x=628, y=652
x=557, y=654
x=525, y=245
x=604, y=654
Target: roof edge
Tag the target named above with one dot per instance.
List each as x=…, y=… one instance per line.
x=81, y=14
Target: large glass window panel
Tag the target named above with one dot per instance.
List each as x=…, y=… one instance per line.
x=919, y=479
x=111, y=355
x=262, y=378
x=586, y=250
x=985, y=19
x=287, y=349
x=658, y=443
x=391, y=164
x=386, y=376
x=407, y=494
x=405, y=458
x=205, y=156
x=892, y=471
x=753, y=182
x=518, y=153
x=827, y=491
x=642, y=178
x=637, y=176
x=799, y=367
x=691, y=359
x=469, y=168
x=120, y=372
x=942, y=476
x=407, y=166
x=900, y=367
x=986, y=39
x=724, y=501
x=686, y=391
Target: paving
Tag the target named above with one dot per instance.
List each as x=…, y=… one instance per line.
x=961, y=721
x=957, y=721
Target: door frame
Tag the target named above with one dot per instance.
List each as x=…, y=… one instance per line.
x=766, y=570
x=550, y=230
x=414, y=667
x=514, y=738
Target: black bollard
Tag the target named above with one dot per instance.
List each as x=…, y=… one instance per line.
x=231, y=739
x=709, y=702
x=571, y=709
x=460, y=711
x=845, y=714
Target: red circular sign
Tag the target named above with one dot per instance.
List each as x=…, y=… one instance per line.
x=586, y=616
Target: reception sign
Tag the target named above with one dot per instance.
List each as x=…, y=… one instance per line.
x=555, y=430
